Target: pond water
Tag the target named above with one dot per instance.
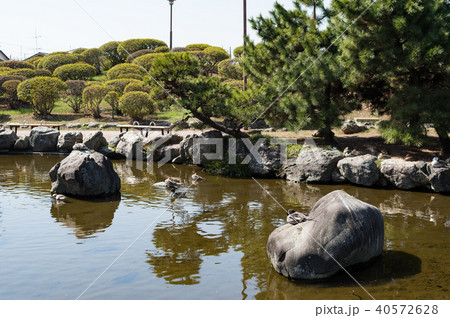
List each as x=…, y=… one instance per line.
x=210, y=245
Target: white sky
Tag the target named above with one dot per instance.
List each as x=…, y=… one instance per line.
x=63, y=25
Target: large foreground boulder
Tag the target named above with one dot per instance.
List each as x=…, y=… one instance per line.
x=351, y=232
x=405, y=175
x=7, y=139
x=197, y=149
x=85, y=174
x=268, y=164
x=313, y=165
x=361, y=170
x=43, y=139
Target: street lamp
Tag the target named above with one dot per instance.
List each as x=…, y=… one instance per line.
x=171, y=6
x=245, y=35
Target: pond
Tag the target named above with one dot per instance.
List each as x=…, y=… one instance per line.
x=209, y=245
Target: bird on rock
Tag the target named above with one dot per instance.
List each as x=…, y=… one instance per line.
x=294, y=217
x=173, y=183
x=438, y=163
x=176, y=195
x=196, y=178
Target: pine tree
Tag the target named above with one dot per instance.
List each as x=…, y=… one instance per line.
x=297, y=67
x=398, y=54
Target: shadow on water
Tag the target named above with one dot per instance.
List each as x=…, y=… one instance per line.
x=86, y=217
x=388, y=267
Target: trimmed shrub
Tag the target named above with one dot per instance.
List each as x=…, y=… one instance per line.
x=5, y=70
x=137, y=87
x=172, y=67
x=127, y=70
x=112, y=98
x=74, y=94
x=92, y=57
x=79, y=50
x=197, y=47
x=136, y=54
x=230, y=68
x=52, y=61
x=237, y=52
x=10, y=89
x=75, y=72
x=136, y=105
x=109, y=51
x=42, y=93
x=234, y=84
x=92, y=97
x=16, y=64
x=130, y=46
x=9, y=77
x=162, y=49
x=118, y=85
x=43, y=72
x=35, y=61
x=179, y=49
x=26, y=72
x=146, y=60
x=214, y=55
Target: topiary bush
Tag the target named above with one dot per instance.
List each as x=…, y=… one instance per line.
x=16, y=64
x=5, y=70
x=162, y=49
x=42, y=93
x=43, y=72
x=137, y=87
x=26, y=72
x=179, y=49
x=92, y=57
x=136, y=54
x=75, y=72
x=230, y=68
x=214, y=55
x=9, y=77
x=79, y=50
x=136, y=105
x=237, y=52
x=10, y=90
x=127, y=70
x=146, y=60
x=234, y=84
x=118, y=85
x=112, y=98
x=130, y=46
x=34, y=61
x=92, y=97
x=52, y=61
x=74, y=94
x=109, y=51
x=197, y=47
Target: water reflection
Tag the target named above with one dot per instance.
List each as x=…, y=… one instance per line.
x=86, y=218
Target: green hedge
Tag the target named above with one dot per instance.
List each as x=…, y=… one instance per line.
x=146, y=60
x=74, y=94
x=162, y=49
x=197, y=47
x=230, y=68
x=127, y=70
x=136, y=105
x=75, y=72
x=42, y=93
x=79, y=50
x=26, y=72
x=130, y=46
x=137, y=87
x=9, y=77
x=119, y=85
x=43, y=72
x=136, y=54
x=52, y=61
x=16, y=64
x=92, y=57
x=92, y=97
x=237, y=52
x=109, y=51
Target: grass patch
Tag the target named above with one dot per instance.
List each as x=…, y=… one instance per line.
x=100, y=78
x=171, y=115
x=293, y=151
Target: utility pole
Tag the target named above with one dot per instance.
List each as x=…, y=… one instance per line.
x=245, y=35
x=36, y=41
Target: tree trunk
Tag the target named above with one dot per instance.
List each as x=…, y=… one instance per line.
x=444, y=139
x=237, y=133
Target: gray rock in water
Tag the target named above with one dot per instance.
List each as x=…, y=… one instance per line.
x=167, y=153
x=7, y=139
x=22, y=144
x=105, y=150
x=94, y=140
x=313, y=165
x=85, y=174
x=405, y=175
x=43, y=139
x=131, y=145
x=350, y=230
x=440, y=179
x=362, y=170
x=352, y=127
x=195, y=148
x=269, y=163
x=67, y=140
x=113, y=142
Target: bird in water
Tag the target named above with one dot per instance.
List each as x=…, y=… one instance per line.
x=196, y=178
x=176, y=195
x=438, y=163
x=294, y=217
x=59, y=197
x=173, y=183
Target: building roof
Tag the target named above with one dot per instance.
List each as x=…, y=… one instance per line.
x=3, y=56
x=38, y=54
